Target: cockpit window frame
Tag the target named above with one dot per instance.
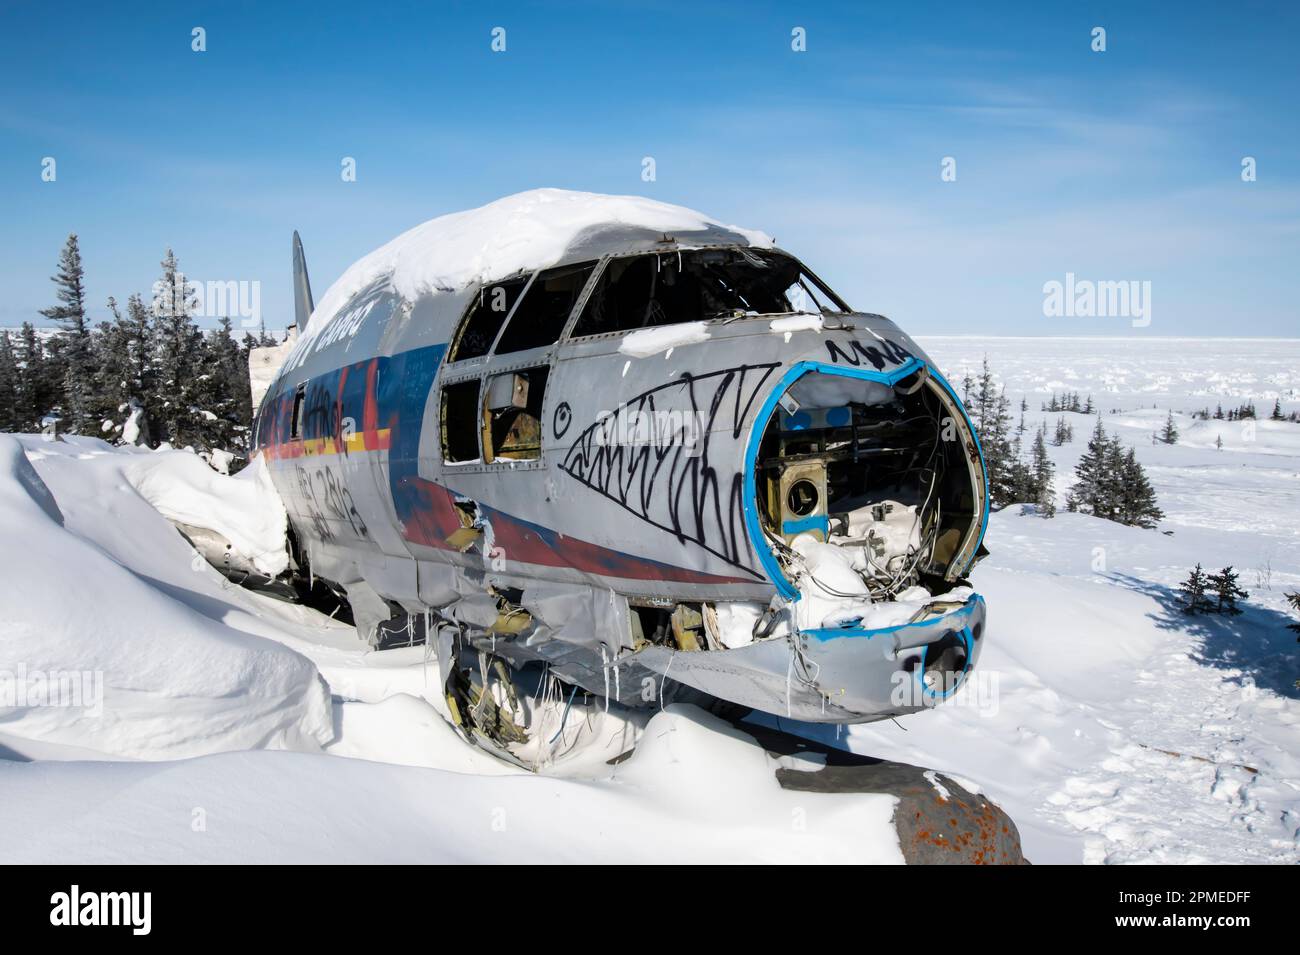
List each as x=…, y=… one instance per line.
x=599, y=272
x=463, y=323
x=596, y=265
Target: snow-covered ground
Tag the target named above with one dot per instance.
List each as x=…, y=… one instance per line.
x=220, y=725
x=1099, y=676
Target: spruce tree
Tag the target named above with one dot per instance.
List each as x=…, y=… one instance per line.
x=987, y=408
x=1114, y=482
x=123, y=349
x=1137, y=497
x=1169, y=433
x=143, y=392
x=1086, y=495
x=8, y=384
x=1277, y=410
x=998, y=456
x=110, y=359
x=1294, y=601
x=79, y=401
x=178, y=346
x=1041, y=471
x=1194, y=590
x=37, y=387
x=226, y=392
x=1226, y=592
x=1020, y=478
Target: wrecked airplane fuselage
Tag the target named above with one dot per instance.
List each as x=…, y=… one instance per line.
x=658, y=457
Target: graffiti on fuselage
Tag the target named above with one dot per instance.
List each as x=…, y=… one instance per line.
x=881, y=355
x=320, y=412
x=325, y=499
x=371, y=308
x=676, y=487
x=338, y=415
x=393, y=393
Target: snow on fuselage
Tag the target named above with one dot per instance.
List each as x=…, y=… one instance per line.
x=617, y=458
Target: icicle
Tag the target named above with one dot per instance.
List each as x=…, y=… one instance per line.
x=618, y=691
x=604, y=668
x=430, y=647
x=663, y=679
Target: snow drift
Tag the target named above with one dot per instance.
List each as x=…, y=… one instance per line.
x=100, y=650
x=696, y=790
x=244, y=509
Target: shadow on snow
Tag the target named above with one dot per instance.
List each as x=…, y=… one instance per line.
x=1255, y=643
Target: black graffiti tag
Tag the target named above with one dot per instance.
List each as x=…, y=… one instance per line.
x=888, y=353
x=562, y=419
x=675, y=487
x=327, y=499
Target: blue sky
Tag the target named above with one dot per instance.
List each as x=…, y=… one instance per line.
x=1122, y=165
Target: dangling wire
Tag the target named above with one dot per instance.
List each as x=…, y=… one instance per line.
x=565, y=717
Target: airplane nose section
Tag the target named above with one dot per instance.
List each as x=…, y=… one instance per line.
x=848, y=674
x=888, y=672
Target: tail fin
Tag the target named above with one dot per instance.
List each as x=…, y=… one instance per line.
x=302, y=301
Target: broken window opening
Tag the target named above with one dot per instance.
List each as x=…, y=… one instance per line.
x=668, y=288
x=295, y=420
x=484, y=318
x=685, y=627
x=458, y=422
x=512, y=415
x=540, y=317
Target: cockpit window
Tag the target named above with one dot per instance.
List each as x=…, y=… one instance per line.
x=484, y=318
x=545, y=309
x=665, y=288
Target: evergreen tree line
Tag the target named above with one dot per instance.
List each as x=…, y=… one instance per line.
x=1110, y=482
x=1069, y=401
x=145, y=376
x=1246, y=412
